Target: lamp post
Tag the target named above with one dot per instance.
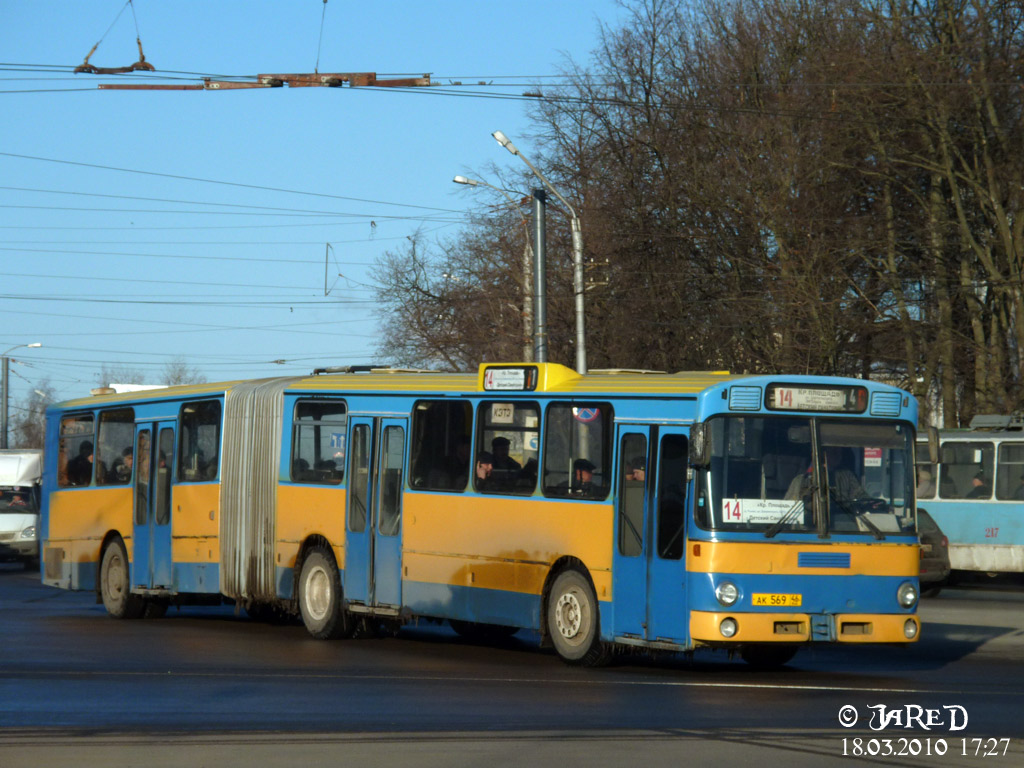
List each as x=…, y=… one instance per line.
x=577, y=253
x=535, y=346
x=3, y=390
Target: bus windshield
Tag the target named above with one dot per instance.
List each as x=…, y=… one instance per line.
x=803, y=474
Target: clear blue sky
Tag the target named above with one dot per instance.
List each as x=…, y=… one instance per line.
x=99, y=267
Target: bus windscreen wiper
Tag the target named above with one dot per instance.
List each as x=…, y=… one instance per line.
x=798, y=506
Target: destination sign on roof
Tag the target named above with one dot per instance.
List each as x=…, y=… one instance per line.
x=782, y=397
x=510, y=378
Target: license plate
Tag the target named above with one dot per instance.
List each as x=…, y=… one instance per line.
x=926, y=547
x=776, y=600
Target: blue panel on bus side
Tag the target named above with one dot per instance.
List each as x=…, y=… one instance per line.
x=819, y=594
x=491, y=606
x=968, y=521
x=197, y=578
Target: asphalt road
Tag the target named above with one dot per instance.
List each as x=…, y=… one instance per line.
x=204, y=686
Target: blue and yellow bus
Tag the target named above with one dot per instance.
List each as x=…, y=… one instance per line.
x=976, y=494
x=661, y=511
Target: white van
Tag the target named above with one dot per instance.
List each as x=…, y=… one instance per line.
x=20, y=473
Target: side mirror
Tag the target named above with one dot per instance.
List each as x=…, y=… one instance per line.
x=700, y=445
x=933, y=445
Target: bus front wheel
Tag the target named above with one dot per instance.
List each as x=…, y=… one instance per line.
x=320, y=597
x=573, y=620
x=114, y=584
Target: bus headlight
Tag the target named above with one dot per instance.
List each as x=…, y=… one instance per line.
x=726, y=593
x=910, y=629
x=728, y=627
x=906, y=595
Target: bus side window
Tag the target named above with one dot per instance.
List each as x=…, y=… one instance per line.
x=75, y=451
x=439, y=459
x=199, y=446
x=577, y=450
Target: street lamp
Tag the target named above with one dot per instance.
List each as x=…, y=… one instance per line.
x=534, y=337
x=577, y=253
x=3, y=390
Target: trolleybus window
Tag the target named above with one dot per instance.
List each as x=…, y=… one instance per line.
x=577, y=450
x=510, y=432
x=391, y=481
x=633, y=460
x=200, y=441
x=318, y=443
x=75, y=451
x=359, y=481
x=440, y=445
x=114, y=453
x=762, y=476
x=1010, y=477
x=672, y=496
x=966, y=470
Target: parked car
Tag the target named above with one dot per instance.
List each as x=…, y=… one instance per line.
x=934, y=555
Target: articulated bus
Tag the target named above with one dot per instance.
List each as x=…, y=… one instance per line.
x=607, y=510
x=976, y=494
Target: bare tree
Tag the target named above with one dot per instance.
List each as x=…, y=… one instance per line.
x=28, y=424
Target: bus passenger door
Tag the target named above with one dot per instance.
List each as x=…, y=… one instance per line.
x=373, y=554
x=629, y=559
x=667, y=608
x=358, y=525
x=152, y=565
x=387, y=547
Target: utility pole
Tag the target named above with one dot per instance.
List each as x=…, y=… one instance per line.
x=540, y=255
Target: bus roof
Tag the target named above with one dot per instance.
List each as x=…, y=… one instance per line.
x=497, y=379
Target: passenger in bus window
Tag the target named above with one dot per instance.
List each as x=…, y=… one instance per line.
x=123, y=467
x=502, y=461
x=1018, y=495
x=484, y=468
x=980, y=488
x=80, y=467
x=583, y=477
x=636, y=469
x=925, y=484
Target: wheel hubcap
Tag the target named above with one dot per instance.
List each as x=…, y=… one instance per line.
x=318, y=593
x=568, y=616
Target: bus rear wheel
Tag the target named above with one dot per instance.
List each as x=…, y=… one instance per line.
x=320, y=600
x=115, y=588
x=573, y=620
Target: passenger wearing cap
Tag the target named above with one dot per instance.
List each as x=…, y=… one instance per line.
x=980, y=489
x=636, y=469
x=583, y=476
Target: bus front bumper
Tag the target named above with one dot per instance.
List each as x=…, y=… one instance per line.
x=706, y=627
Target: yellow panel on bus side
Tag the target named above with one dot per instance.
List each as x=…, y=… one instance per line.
x=79, y=519
x=502, y=542
x=304, y=510
x=195, y=523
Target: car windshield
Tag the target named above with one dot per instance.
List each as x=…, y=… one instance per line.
x=773, y=474
x=15, y=499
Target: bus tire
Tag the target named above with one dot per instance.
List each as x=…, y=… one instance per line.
x=573, y=621
x=115, y=587
x=768, y=655
x=320, y=599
